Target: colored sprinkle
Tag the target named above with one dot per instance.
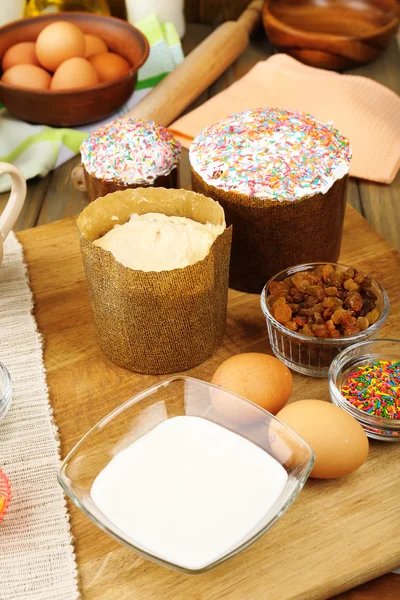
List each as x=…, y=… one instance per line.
x=374, y=388
x=271, y=153
x=133, y=151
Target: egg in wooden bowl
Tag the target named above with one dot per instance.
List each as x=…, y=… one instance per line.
x=52, y=90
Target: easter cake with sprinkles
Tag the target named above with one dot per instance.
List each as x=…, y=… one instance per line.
x=281, y=177
x=129, y=153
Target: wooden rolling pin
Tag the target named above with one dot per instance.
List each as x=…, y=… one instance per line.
x=199, y=69
x=194, y=75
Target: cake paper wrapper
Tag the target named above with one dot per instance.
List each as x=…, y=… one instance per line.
x=96, y=187
x=156, y=322
x=272, y=235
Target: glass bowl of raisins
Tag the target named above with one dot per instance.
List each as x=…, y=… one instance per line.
x=314, y=311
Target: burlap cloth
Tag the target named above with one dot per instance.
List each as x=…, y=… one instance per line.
x=36, y=554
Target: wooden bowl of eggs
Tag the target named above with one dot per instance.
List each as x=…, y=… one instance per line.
x=333, y=34
x=68, y=69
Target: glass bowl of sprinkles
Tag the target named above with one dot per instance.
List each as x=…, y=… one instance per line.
x=364, y=380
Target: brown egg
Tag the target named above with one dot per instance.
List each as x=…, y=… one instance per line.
x=94, y=45
x=260, y=378
x=74, y=73
x=59, y=42
x=337, y=439
x=27, y=76
x=109, y=66
x=23, y=53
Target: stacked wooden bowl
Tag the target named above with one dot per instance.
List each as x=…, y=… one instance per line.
x=331, y=34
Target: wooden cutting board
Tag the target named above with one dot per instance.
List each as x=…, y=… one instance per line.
x=337, y=534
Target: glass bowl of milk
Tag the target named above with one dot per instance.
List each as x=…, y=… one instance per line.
x=186, y=474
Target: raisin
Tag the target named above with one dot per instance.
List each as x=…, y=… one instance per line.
x=351, y=330
x=288, y=298
x=291, y=325
x=320, y=331
x=301, y=321
x=362, y=323
x=348, y=320
x=326, y=315
x=282, y=313
x=327, y=271
x=307, y=331
x=367, y=281
x=349, y=273
x=317, y=291
x=334, y=334
x=331, y=291
x=295, y=307
x=354, y=301
x=306, y=312
x=368, y=305
x=359, y=277
x=310, y=301
x=329, y=302
x=279, y=288
x=330, y=325
x=279, y=302
x=297, y=297
x=373, y=316
x=300, y=282
x=368, y=293
x=350, y=285
x=338, y=315
x=318, y=308
x=317, y=318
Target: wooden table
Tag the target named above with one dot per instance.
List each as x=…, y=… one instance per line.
x=53, y=198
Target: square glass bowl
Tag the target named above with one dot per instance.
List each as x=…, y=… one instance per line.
x=184, y=396
x=5, y=391
x=312, y=355
x=349, y=360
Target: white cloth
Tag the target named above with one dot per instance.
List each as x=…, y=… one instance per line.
x=37, y=559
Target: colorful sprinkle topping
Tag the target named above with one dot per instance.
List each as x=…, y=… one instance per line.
x=374, y=388
x=271, y=153
x=5, y=495
x=134, y=151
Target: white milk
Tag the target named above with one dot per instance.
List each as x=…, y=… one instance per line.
x=189, y=491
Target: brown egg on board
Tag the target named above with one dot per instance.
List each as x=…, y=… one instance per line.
x=339, y=442
x=27, y=76
x=74, y=73
x=57, y=43
x=94, y=45
x=257, y=377
x=23, y=53
x=109, y=66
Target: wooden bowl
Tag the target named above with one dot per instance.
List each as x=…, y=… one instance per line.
x=85, y=105
x=333, y=34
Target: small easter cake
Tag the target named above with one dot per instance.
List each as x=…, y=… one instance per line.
x=129, y=153
x=281, y=178
x=157, y=267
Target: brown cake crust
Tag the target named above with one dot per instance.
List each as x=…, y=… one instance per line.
x=272, y=235
x=96, y=188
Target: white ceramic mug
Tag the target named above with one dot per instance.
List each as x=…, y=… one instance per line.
x=15, y=202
